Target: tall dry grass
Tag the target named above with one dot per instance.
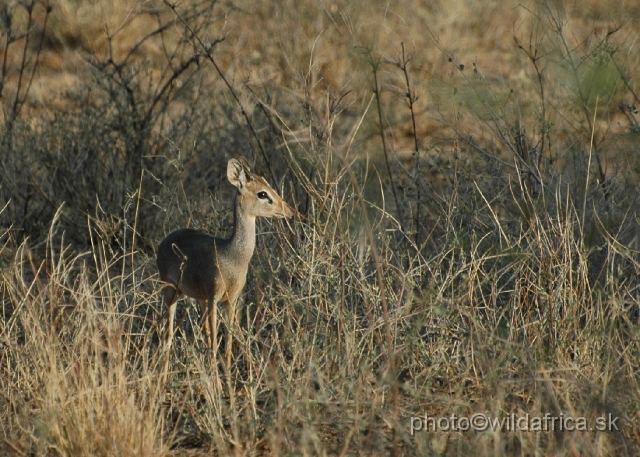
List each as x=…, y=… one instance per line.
x=466, y=240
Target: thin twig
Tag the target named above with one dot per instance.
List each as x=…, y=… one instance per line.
x=207, y=53
x=411, y=96
x=377, y=91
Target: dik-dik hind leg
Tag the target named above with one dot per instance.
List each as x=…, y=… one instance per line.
x=170, y=295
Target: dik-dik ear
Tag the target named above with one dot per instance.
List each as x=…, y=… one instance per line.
x=238, y=173
x=245, y=164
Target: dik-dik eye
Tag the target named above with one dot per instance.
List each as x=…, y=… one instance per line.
x=262, y=195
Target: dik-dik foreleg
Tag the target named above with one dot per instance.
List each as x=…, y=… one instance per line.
x=209, y=323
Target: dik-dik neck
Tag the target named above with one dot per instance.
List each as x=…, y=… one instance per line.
x=243, y=239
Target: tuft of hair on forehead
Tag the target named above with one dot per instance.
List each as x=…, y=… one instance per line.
x=261, y=180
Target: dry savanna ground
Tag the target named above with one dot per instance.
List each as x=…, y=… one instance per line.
x=465, y=244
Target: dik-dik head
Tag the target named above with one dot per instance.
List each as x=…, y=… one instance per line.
x=256, y=197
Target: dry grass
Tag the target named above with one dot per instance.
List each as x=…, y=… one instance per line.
x=466, y=240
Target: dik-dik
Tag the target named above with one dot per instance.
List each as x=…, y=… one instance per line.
x=214, y=270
